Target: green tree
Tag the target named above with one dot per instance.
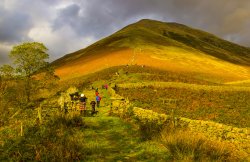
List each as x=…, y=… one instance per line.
x=7, y=71
x=29, y=58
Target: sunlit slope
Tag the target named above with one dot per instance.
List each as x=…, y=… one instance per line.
x=240, y=83
x=169, y=46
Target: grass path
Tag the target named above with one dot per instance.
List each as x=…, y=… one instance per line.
x=109, y=138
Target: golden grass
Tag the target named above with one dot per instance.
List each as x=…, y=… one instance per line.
x=241, y=82
x=165, y=58
x=220, y=88
x=196, y=61
x=93, y=63
x=189, y=146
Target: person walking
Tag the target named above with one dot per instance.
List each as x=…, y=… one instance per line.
x=83, y=100
x=106, y=86
x=96, y=92
x=98, y=99
x=93, y=103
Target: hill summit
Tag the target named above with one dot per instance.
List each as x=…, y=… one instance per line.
x=169, y=46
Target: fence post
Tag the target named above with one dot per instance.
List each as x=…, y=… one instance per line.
x=21, y=133
x=39, y=111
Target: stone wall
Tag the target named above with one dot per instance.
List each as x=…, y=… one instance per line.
x=240, y=137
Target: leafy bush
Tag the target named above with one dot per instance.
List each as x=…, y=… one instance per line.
x=56, y=140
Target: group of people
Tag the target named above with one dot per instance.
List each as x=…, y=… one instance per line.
x=83, y=100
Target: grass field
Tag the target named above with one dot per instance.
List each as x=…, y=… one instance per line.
x=198, y=96
x=23, y=137
x=228, y=107
x=73, y=137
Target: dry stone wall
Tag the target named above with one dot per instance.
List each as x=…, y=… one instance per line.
x=240, y=137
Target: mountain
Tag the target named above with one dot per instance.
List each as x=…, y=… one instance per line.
x=168, y=46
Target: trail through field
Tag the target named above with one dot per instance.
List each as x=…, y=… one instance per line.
x=109, y=138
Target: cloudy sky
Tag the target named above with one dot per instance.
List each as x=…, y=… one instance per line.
x=65, y=26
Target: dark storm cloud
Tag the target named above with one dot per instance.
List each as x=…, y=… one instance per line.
x=90, y=23
x=69, y=16
x=14, y=26
x=99, y=19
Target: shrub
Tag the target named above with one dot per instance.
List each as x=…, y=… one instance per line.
x=185, y=145
x=56, y=140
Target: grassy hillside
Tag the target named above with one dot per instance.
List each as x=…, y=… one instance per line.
x=155, y=33
x=200, y=40
x=167, y=46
